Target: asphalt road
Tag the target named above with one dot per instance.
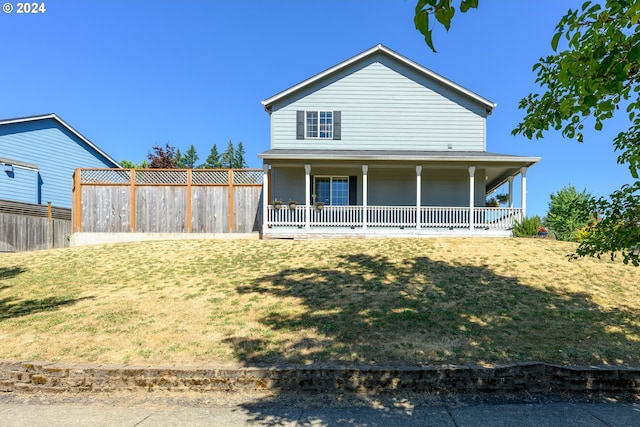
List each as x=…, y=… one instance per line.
x=34, y=412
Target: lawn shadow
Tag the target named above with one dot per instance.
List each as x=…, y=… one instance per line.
x=10, y=309
x=10, y=272
x=369, y=310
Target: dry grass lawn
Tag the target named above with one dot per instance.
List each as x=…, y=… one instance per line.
x=255, y=303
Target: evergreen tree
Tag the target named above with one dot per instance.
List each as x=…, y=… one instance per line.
x=190, y=157
x=213, y=160
x=227, y=158
x=179, y=160
x=238, y=160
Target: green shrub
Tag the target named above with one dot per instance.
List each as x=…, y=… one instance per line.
x=527, y=227
x=569, y=211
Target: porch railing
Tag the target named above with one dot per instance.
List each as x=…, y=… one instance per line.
x=394, y=216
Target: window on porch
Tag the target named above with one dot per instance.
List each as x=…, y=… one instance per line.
x=332, y=190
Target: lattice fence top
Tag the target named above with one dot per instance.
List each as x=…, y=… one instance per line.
x=105, y=176
x=161, y=176
x=248, y=176
x=171, y=176
x=210, y=177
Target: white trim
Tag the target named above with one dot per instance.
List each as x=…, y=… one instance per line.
x=18, y=164
x=472, y=191
x=394, y=55
x=424, y=156
x=53, y=116
x=365, y=193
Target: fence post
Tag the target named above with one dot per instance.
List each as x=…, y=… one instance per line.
x=189, y=199
x=78, y=200
x=133, y=200
x=49, y=227
x=230, y=200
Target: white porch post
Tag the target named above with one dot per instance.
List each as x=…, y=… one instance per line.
x=307, y=193
x=265, y=196
x=523, y=173
x=472, y=172
x=365, y=191
x=511, y=192
x=418, y=193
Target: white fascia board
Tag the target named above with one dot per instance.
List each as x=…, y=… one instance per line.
x=380, y=48
x=399, y=156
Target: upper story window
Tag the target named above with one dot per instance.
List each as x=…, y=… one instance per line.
x=318, y=125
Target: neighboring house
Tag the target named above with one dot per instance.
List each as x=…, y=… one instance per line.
x=38, y=156
x=387, y=147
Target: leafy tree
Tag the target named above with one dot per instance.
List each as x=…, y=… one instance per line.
x=238, y=158
x=227, y=158
x=162, y=157
x=569, y=210
x=595, y=73
x=213, y=160
x=128, y=164
x=190, y=158
x=442, y=10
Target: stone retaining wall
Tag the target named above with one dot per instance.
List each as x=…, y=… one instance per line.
x=439, y=380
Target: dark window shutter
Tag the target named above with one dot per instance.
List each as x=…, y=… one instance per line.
x=299, y=124
x=353, y=190
x=311, y=188
x=337, y=125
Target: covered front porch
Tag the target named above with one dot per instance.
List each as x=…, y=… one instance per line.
x=389, y=221
x=438, y=197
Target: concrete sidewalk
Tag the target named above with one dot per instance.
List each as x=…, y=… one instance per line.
x=261, y=414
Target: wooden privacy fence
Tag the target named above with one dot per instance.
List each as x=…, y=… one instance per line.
x=167, y=200
x=28, y=227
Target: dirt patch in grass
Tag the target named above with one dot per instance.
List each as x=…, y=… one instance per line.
x=364, y=301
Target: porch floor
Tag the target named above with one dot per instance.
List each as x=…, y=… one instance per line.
x=284, y=232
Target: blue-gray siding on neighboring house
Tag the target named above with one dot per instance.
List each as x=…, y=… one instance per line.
x=56, y=152
x=19, y=183
x=384, y=105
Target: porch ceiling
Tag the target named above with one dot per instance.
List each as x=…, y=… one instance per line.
x=498, y=167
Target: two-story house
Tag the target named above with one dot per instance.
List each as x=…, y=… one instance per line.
x=380, y=145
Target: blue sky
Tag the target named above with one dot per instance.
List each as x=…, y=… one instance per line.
x=132, y=74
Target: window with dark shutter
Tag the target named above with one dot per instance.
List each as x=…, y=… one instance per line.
x=337, y=125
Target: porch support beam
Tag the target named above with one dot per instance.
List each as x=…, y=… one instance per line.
x=472, y=172
x=418, y=193
x=265, y=196
x=523, y=183
x=365, y=192
x=307, y=195
x=510, y=192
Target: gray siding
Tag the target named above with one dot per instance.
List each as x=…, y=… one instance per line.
x=388, y=186
x=384, y=105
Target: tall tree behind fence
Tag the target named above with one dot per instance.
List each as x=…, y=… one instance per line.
x=28, y=227
x=167, y=200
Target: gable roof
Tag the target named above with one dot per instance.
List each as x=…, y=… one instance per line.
x=267, y=103
x=54, y=117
